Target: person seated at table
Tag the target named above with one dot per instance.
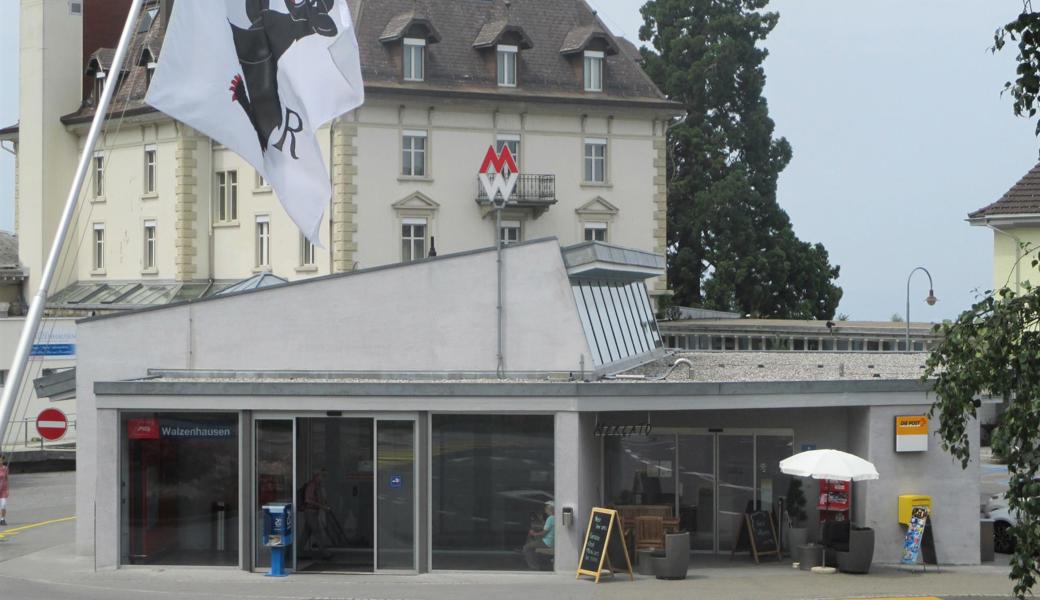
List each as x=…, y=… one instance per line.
x=541, y=539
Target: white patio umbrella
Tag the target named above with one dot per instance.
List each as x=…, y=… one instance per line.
x=829, y=464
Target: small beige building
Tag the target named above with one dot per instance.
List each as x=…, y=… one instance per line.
x=1015, y=221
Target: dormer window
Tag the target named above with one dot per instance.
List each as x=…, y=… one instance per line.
x=588, y=46
x=407, y=35
x=149, y=71
x=507, y=65
x=593, y=71
x=414, y=59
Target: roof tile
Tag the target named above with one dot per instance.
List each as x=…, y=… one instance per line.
x=1022, y=199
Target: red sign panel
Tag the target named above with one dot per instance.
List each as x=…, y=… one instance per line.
x=142, y=429
x=499, y=160
x=52, y=424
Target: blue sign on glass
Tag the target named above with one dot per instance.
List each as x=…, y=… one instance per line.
x=396, y=481
x=808, y=447
x=53, y=350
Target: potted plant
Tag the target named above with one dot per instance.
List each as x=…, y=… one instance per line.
x=797, y=533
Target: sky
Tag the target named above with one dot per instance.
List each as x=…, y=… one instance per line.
x=895, y=114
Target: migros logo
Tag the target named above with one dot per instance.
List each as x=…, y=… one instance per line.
x=499, y=185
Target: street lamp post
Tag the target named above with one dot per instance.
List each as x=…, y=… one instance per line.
x=931, y=299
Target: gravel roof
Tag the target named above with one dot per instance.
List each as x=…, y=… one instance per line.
x=708, y=367
x=789, y=366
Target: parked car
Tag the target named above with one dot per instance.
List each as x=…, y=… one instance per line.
x=1003, y=520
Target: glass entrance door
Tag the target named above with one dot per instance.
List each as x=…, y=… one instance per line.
x=395, y=495
x=352, y=481
x=335, y=527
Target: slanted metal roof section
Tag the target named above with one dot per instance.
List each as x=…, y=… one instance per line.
x=599, y=261
x=619, y=323
x=260, y=280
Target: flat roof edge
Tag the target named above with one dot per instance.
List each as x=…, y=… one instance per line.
x=508, y=389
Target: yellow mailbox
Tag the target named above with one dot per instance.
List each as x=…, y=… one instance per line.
x=907, y=504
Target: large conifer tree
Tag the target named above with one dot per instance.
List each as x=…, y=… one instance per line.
x=731, y=246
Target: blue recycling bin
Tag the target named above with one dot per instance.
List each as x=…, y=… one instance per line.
x=278, y=534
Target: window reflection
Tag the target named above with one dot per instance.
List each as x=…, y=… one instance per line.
x=492, y=475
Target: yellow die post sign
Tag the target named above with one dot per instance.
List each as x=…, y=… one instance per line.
x=912, y=433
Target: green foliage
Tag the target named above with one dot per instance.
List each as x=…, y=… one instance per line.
x=731, y=247
x=897, y=318
x=1025, y=33
x=994, y=348
x=796, y=503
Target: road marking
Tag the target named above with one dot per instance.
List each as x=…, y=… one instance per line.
x=17, y=530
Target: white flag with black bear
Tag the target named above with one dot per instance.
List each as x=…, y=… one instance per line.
x=260, y=77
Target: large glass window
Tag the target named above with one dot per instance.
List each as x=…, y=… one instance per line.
x=227, y=197
x=492, y=476
x=595, y=160
x=414, y=59
x=150, y=152
x=507, y=65
x=413, y=239
x=149, y=245
x=99, y=174
x=413, y=154
x=180, y=489
x=594, y=71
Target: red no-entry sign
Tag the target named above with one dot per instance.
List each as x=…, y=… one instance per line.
x=52, y=424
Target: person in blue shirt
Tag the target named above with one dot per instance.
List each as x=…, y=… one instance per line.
x=541, y=539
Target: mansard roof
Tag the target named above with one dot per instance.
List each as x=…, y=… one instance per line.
x=549, y=31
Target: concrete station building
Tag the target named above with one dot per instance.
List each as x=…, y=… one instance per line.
x=195, y=414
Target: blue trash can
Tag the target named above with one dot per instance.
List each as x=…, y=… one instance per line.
x=278, y=534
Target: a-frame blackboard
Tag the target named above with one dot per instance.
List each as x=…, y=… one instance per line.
x=758, y=535
x=603, y=530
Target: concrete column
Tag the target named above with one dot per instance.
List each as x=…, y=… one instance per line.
x=344, y=192
x=577, y=475
x=106, y=499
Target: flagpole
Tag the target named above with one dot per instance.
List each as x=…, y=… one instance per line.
x=39, y=303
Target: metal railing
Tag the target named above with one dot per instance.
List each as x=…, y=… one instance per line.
x=529, y=188
x=24, y=435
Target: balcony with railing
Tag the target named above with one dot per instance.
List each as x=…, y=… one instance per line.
x=533, y=192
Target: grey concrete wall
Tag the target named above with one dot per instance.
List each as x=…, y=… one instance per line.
x=859, y=444
x=107, y=353
x=429, y=316
x=954, y=491
x=577, y=483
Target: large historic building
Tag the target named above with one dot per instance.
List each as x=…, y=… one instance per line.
x=168, y=214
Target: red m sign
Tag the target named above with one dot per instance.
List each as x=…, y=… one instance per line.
x=499, y=160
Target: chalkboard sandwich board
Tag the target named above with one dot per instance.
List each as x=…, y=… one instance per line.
x=758, y=535
x=604, y=528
